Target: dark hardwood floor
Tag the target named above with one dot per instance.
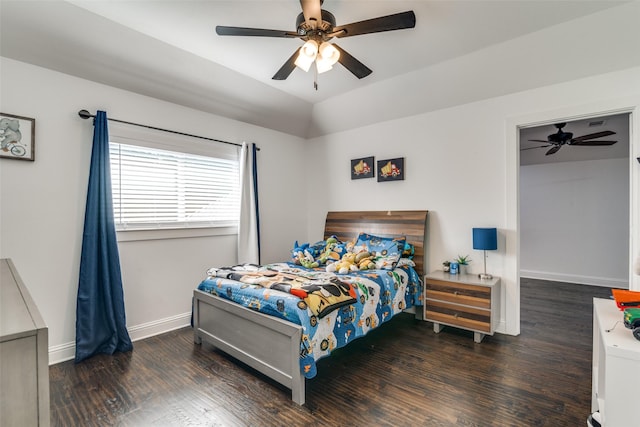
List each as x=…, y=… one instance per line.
x=402, y=374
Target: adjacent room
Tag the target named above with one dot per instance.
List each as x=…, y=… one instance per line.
x=379, y=148
x=574, y=202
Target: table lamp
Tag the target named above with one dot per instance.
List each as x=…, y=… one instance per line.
x=485, y=239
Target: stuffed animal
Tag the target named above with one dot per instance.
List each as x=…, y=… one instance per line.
x=365, y=260
x=320, y=253
x=302, y=255
x=307, y=260
x=346, y=264
x=332, y=251
x=297, y=253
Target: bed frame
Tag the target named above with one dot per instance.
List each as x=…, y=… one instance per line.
x=271, y=345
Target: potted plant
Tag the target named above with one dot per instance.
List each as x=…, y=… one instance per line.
x=445, y=266
x=463, y=262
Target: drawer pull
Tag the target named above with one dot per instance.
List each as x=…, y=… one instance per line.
x=455, y=315
x=455, y=292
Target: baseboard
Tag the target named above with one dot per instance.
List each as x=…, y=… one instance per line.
x=573, y=278
x=63, y=352
x=501, y=328
x=158, y=327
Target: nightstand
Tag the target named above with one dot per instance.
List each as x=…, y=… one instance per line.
x=462, y=301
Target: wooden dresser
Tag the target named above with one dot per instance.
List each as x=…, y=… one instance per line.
x=463, y=301
x=24, y=354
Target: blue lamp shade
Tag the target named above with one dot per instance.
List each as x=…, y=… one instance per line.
x=485, y=239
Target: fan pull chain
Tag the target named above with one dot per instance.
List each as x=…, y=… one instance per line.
x=315, y=77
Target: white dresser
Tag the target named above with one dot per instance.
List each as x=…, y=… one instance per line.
x=616, y=367
x=24, y=354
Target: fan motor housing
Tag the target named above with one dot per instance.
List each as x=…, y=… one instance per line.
x=560, y=137
x=327, y=24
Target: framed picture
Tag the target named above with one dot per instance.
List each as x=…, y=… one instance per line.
x=17, y=137
x=362, y=168
x=391, y=170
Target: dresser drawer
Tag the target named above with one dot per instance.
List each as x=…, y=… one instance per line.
x=458, y=293
x=463, y=316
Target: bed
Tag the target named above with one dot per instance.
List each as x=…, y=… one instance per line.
x=255, y=324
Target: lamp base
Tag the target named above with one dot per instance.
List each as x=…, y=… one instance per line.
x=485, y=276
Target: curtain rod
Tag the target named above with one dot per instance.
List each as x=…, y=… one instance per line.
x=85, y=115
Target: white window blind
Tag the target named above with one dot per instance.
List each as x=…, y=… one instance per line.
x=155, y=189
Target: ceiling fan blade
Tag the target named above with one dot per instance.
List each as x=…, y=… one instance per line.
x=287, y=68
x=593, y=136
x=397, y=21
x=553, y=150
x=356, y=67
x=312, y=12
x=593, y=143
x=539, y=140
x=221, y=30
x=533, y=148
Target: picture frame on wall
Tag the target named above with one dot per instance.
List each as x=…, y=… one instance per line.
x=362, y=168
x=391, y=169
x=17, y=137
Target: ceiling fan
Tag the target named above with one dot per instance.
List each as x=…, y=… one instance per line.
x=560, y=138
x=317, y=27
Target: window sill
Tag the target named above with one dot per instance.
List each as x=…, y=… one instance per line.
x=173, y=233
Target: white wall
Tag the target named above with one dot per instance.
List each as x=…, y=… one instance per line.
x=574, y=222
x=42, y=202
x=461, y=163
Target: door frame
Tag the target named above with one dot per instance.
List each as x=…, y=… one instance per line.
x=512, y=235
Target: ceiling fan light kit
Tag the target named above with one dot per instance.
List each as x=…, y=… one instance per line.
x=323, y=65
x=317, y=27
x=327, y=57
x=307, y=55
x=324, y=56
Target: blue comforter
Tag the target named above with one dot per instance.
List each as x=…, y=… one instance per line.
x=374, y=297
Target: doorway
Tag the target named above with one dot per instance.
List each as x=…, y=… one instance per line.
x=513, y=126
x=574, y=201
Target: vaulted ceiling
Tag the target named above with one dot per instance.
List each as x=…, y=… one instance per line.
x=459, y=51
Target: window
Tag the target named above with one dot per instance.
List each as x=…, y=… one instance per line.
x=161, y=189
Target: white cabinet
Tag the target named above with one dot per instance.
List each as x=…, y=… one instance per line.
x=24, y=354
x=616, y=367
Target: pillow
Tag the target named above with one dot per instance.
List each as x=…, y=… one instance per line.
x=387, y=250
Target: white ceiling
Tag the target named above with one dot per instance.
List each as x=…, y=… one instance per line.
x=618, y=123
x=169, y=50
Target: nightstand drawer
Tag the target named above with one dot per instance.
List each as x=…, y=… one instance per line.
x=458, y=315
x=458, y=293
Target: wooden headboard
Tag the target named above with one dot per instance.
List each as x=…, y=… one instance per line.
x=412, y=224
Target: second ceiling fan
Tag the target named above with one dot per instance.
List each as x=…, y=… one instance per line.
x=317, y=27
x=560, y=138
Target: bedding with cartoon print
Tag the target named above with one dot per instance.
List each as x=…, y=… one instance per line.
x=333, y=309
